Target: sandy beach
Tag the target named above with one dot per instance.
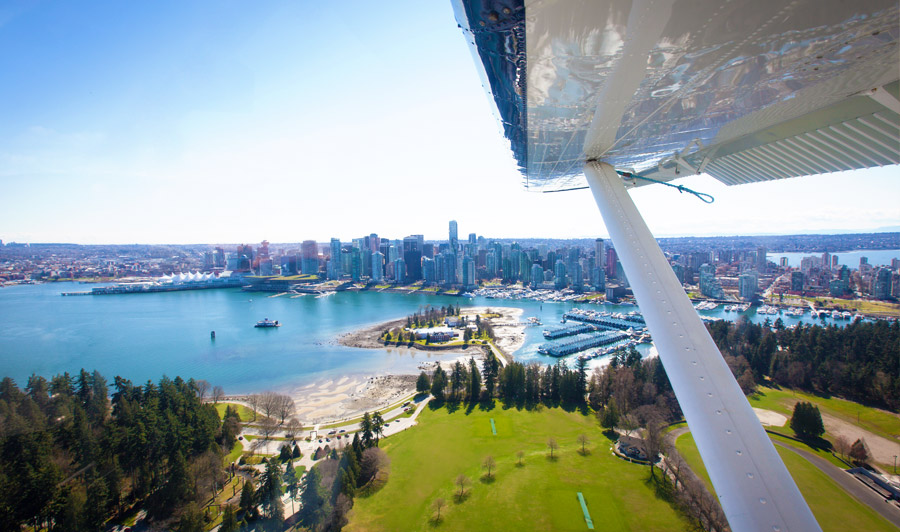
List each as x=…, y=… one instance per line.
x=350, y=396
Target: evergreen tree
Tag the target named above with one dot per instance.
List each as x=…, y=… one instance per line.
x=806, y=420
x=315, y=505
x=438, y=383
x=377, y=427
x=581, y=382
x=490, y=370
x=285, y=453
x=269, y=493
x=229, y=520
x=248, y=500
x=457, y=378
x=367, y=434
x=474, y=381
x=423, y=384
x=179, y=486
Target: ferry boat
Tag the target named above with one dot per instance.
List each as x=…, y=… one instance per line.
x=266, y=323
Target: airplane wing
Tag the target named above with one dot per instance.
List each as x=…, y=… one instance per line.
x=740, y=90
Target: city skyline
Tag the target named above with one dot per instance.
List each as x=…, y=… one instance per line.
x=173, y=126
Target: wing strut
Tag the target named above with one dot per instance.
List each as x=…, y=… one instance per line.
x=754, y=487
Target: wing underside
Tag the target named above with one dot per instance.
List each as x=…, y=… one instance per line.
x=742, y=91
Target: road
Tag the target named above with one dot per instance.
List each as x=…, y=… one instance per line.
x=850, y=484
x=845, y=480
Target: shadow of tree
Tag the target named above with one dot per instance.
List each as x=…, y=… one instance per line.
x=487, y=479
x=663, y=489
x=460, y=498
x=487, y=405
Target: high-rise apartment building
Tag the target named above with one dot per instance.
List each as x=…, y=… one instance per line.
x=336, y=269
x=748, y=284
x=378, y=267
x=309, y=257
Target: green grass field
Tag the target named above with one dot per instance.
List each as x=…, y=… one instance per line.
x=539, y=495
x=874, y=420
x=245, y=413
x=832, y=506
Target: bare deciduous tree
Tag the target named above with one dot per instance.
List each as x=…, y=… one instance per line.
x=462, y=481
x=438, y=504
x=842, y=445
x=253, y=400
x=285, y=407
x=583, y=440
x=293, y=428
x=551, y=443
x=653, y=442
x=375, y=464
x=268, y=402
x=202, y=388
x=268, y=426
x=218, y=394
x=489, y=464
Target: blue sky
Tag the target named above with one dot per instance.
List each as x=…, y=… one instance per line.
x=186, y=122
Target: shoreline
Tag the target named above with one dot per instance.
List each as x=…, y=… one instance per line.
x=347, y=397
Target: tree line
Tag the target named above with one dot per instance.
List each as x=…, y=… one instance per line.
x=859, y=362
x=72, y=456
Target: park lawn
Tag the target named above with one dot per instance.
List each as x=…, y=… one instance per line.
x=235, y=453
x=245, y=413
x=874, y=420
x=688, y=450
x=540, y=495
x=830, y=504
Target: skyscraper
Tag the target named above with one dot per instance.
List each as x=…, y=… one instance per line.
x=748, y=284
x=468, y=268
x=454, y=236
x=559, y=277
x=412, y=256
x=537, y=275
x=336, y=269
x=309, y=257
x=377, y=267
x=611, y=259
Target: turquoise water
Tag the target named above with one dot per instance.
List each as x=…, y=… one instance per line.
x=143, y=336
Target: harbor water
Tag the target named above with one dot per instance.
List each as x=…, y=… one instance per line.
x=144, y=336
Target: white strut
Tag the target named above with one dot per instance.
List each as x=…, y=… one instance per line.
x=754, y=487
